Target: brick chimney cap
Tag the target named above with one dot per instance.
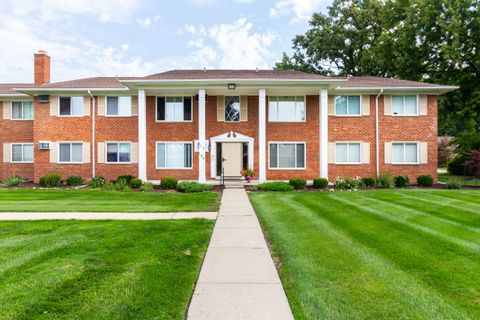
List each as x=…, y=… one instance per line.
x=41, y=51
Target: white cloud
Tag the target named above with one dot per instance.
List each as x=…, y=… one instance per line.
x=148, y=22
x=243, y=1
x=301, y=9
x=230, y=46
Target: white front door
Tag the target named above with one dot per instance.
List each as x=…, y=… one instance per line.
x=232, y=158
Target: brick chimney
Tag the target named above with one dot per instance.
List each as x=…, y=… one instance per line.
x=42, y=67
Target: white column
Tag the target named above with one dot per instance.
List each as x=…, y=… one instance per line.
x=324, y=133
x=201, y=135
x=262, y=145
x=142, y=136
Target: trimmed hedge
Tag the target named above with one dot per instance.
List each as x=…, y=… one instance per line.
x=368, y=182
x=425, y=180
x=320, y=183
x=168, y=183
x=192, y=187
x=275, y=186
x=135, y=183
x=401, y=181
x=51, y=180
x=298, y=183
x=74, y=181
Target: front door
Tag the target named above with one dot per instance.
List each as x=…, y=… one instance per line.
x=232, y=157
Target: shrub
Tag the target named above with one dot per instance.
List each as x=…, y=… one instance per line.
x=135, y=183
x=384, y=181
x=347, y=183
x=122, y=185
x=146, y=187
x=457, y=165
x=454, y=184
x=298, y=183
x=74, y=181
x=128, y=178
x=401, y=181
x=368, y=182
x=51, y=180
x=320, y=183
x=190, y=187
x=169, y=183
x=13, y=181
x=96, y=182
x=108, y=187
x=275, y=186
x=425, y=180
x=473, y=164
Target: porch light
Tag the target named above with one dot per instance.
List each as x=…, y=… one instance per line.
x=231, y=86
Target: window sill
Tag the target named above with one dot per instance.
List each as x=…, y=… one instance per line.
x=115, y=116
x=287, y=169
x=349, y=115
x=349, y=163
x=173, y=168
x=75, y=163
x=21, y=162
x=65, y=116
x=21, y=119
x=164, y=121
x=405, y=163
x=404, y=115
x=118, y=163
x=303, y=121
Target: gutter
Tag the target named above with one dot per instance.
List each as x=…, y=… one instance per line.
x=93, y=134
x=377, y=164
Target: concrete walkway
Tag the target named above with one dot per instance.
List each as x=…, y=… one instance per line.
x=16, y=216
x=238, y=279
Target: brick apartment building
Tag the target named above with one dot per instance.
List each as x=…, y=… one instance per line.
x=196, y=124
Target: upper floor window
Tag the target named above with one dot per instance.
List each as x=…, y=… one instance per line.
x=405, y=153
x=347, y=105
x=22, y=152
x=232, y=108
x=347, y=152
x=119, y=106
x=174, y=155
x=71, y=106
x=287, y=155
x=174, y=109
x=22, y=110
x=286, y=109
x=405, y=105
x=70, y=152
x=118, y=152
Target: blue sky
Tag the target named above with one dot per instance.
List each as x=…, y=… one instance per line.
x=133, y=38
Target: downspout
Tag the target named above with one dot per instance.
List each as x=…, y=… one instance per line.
x=93, y=134
x=377, y=164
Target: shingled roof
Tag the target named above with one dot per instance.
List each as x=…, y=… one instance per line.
x=377, y=82
x=7, y=88
x=95, y=82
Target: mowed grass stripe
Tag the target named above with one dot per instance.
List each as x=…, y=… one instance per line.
x=438, y=267
x=462, y=204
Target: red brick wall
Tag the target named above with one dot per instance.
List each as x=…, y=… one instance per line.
x=14, y=131
x=41, y=68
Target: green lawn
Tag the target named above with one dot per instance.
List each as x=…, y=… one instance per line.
x=14, y=200
x=446, y=177
x=403, y=254
x=100, y=269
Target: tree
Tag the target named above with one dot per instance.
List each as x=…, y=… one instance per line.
x=421, y=40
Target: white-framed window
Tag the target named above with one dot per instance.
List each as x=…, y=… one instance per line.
x=70, y=106
x=347, y=105
x=348, y=152
x=287, y=155
x=405, y=105
x=174, y=109
x=286, y=109
x=405, y=153
x=232, y=108
x=174, y=155
x=119, y=106
x=22, y=152
x=70, y=152
x=22, y=110
x=118, y=152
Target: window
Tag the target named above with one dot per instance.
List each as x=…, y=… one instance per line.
x=232, y=108
x=71, y=106
x=347, y=152
x=22, y=152
x=71, y=152
x=286, y=109
x=119, y=106
x=347, y=105
x=287, y=155
x=174, y=109
x=404, y=105
x=118, y=152
x=405, y=153
x=174, y=155
x=22, y=110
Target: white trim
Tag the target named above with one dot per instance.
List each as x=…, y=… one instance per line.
x=183, y=101
x=406, y=163
x=289, y=142
x=70, y=115
x=262, y=136
x=68, y=142
x=118, y=152
x=201, y=135
x=142, y=135
x=240, y=138
x=173, y=142
x=323, y=118
x=360, y=143
x=407, y=115
x=400, y=88
x=22, y=119
x=22, y=144
x=117, y=116
x=348, y=109
x=290, y=121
